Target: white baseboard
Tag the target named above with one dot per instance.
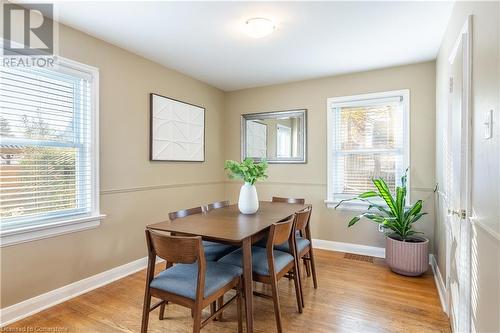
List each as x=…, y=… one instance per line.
x=38, y=303
x=373, y=251
x=441, y=287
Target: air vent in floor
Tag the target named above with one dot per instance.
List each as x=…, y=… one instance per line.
x=358, y=257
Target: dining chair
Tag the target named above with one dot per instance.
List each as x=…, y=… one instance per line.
x=215, y=205
x=270, y=265
x=206, y=209
x=191, y=282
x=289, y=200
x=304, y=233
x=303, y=247
x=185, y=212
x=263, y=241
x=213, y=250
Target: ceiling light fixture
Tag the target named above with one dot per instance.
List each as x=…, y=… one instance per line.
x=259, y=27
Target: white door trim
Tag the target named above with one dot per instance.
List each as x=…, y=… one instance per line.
x=464, y=322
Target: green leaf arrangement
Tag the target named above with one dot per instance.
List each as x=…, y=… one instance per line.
x=394, y=215
x=248, y=170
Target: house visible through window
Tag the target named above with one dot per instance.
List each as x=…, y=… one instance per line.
x=367, y=138
x=48, y=145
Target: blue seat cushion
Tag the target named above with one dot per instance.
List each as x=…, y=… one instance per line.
x=214, y=251
x=302, y=243
x=259, y=260
x=182, y=279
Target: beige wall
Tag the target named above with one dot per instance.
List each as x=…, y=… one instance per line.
x=126, y=80
x=309, y=180
x=485, y=259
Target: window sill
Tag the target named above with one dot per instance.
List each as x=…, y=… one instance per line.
x=352, y=206
x=55, y=228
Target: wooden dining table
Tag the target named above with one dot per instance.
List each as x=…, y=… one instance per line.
x=227, y=225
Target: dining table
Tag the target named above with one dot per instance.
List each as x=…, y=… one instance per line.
x=227, y=225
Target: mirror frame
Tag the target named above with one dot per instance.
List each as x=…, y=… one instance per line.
x=300, y=113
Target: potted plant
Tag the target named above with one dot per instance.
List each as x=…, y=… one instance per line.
x=250, y=172
x=405, y=252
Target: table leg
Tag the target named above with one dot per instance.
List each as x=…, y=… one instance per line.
x=247, y=276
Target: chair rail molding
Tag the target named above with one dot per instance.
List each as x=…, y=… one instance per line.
x=159, y=187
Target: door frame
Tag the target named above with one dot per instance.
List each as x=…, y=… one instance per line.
x=464, y=320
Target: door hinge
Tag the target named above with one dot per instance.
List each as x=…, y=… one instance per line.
x=451, y=85
x=462, y=214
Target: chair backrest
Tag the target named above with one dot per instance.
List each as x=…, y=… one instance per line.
x=174, y=249
x=216, y=205
x=280, y=231
x=302, y=218
x=185, y=212
x=278, y=234
x=289, y=200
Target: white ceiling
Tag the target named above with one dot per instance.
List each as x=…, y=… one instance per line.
x=205, y=39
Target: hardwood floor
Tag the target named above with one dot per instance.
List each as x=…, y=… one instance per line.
x=353, y=296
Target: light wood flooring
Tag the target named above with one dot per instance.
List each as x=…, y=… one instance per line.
x=353, y=296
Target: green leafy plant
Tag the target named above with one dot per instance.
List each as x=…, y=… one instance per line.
x=394, y=215
x=247, y=170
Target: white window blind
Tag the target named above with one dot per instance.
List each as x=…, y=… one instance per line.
x=48, y=170
x=368, y=138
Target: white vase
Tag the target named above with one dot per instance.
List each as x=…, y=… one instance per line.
x=248, y=202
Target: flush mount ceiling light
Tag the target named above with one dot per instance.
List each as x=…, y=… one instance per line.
x=259, y=27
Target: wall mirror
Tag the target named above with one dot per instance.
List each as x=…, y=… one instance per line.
x=279, y=137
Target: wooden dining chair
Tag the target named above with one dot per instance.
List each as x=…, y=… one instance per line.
x=263, y=241
x=213, y=250
x=303, y=247
x=289, y=200
x=192, y=281
x=303, y=241
x=270, y=265
x=304, y=231
x=185, y=212
x=206, y=209
x=215, y=205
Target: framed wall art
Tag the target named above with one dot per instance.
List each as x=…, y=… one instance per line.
x=177, y=130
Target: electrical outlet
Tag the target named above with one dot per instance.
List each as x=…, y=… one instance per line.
x=381, y=228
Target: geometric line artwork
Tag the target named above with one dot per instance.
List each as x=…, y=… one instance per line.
x=177, y=130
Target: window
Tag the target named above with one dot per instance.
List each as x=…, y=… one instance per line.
x=49, y=151
x=367, y=138
x=283, y=141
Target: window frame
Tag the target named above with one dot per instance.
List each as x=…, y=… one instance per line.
x=333, y=102
x=53, y=226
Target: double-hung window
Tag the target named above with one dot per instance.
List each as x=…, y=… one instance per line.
x=368, y=137
x=49, y=151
